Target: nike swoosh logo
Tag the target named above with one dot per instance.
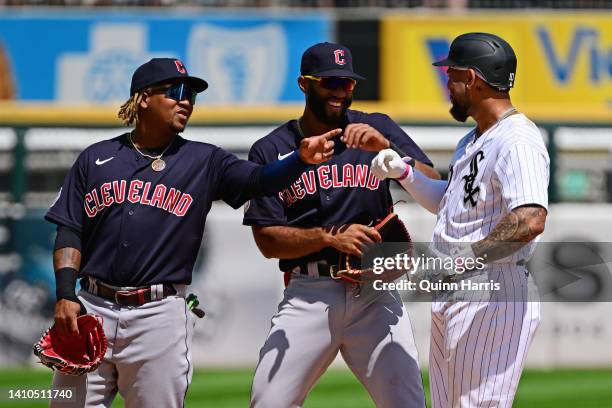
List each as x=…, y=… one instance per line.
x=101, y=162
x=282, y=156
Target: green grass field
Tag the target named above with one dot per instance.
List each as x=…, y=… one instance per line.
x=339, y=389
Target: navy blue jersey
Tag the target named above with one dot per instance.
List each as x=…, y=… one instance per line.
x=141, y=227
x=340, y=191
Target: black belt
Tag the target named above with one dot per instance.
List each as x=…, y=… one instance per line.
x=125, y=297
x=322, y=267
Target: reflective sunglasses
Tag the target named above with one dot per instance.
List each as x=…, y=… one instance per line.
x=348, y=84
x=178, y=92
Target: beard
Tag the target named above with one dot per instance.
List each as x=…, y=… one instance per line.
x=459, y=112
x=317, y=105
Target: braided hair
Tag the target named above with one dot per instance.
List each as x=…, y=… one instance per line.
x=128, y=112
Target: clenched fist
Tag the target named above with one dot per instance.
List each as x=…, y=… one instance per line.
x=388, y=164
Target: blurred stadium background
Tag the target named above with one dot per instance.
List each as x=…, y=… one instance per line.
x=65, y=66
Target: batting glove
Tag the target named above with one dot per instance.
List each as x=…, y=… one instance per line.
x=388, y=164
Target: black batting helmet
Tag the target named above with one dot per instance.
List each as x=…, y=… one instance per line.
x=491, y=56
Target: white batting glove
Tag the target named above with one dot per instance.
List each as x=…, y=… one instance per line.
x=388, y=164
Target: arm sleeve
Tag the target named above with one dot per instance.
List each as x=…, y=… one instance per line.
x=399, y=138
x=67, y=209
x=67, y=238
x=425, y=191
x=264, y=211
x=523, y=172
x=243, y=179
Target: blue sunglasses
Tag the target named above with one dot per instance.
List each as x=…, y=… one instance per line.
x=178, y=92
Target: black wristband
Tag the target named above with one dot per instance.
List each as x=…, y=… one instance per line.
x=65, y=281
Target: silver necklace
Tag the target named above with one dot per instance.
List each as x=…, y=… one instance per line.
x=504, y=115
x=507, y=113
x=157, y=164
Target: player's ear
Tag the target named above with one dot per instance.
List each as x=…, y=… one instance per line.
x=144, y=101
x=302, y=83
x=471, y=78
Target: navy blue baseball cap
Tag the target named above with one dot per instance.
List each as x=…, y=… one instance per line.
x=328, y=60
x=163, y=69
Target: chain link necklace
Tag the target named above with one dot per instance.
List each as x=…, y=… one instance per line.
x=157, y=164
x=503, y=116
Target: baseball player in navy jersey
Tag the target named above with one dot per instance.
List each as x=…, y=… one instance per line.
x=319, y=316
x=492, y=209
x=130, y=217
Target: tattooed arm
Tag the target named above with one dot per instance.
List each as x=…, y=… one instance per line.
x=513, y=232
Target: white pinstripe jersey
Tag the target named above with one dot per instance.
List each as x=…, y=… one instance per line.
x=504, y=168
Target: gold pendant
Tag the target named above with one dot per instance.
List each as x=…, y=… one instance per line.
x=158, y=165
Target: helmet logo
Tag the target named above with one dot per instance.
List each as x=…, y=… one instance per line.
x=511, y=80
x=339, y=57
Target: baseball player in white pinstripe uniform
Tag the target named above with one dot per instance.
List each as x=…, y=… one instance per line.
x=493, y=207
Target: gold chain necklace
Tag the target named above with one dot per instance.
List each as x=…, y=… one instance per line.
x=157, y=164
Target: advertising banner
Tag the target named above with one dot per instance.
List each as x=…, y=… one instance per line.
x=564, y=60
x=84, y=57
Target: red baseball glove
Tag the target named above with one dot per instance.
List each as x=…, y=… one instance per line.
x=74, y=355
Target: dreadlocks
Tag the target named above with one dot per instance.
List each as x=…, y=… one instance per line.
x=128, y=112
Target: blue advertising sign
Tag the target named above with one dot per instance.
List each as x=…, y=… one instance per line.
x=85, y=57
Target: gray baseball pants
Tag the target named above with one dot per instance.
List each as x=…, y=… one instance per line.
x=319, y=317
x=148, y=360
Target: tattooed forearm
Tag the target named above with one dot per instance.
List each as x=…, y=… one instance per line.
x=513, y=232
x=67, y=258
